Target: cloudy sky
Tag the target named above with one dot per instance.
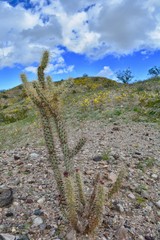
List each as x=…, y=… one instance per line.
x=96, y=37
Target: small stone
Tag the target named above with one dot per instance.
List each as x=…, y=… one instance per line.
x=15, y=203
x=2, y=227
x=5, y=236
x=42, y=226
x=158, y=213
x=149, y=238
x=9, y=214
x=38, y=212
x=34, y=156
x=120, y=208
x=71, y=235
x=131, y=196
x=41, y=200
x=17, y=181
x=145, y=194
x=89, y=172
x=52, y=231
x=115, y=155
x=16, y=157
x=138, y=153
x=29, y=200
x=122, y=234
x=154, y=176
x=6, y=197
x=115, y=129
x=140, y=237
x=37, y=221
x=112, y=176
x=158, y=204
x=48, y=226
x=23, y=237
x=13, y=229
x=97, y=158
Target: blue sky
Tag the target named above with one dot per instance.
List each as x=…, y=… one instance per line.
x=98, y=38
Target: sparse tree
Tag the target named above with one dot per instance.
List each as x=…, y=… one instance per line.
x=125, y=76
x=85, y=75
x=154, y=71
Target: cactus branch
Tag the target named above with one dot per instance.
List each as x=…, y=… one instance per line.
x=97, y=210
x=80, y=187
x=70, y=200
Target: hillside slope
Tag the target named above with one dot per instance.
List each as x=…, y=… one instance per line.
x=88, y=99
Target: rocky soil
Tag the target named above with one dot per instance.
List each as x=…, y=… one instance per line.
x=133, y=213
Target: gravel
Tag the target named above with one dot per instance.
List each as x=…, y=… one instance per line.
x=133, y=146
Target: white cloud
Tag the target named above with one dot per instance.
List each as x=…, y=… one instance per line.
x=52, y=69
x=57, y=65
x=107, y=72
x=89, y=27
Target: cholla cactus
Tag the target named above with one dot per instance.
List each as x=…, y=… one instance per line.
x=83, y=214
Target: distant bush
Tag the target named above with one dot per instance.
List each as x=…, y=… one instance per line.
x=13, y=115
x=5, y=96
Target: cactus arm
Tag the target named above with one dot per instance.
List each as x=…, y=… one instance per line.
x=70, y=200
x=93, y=195
x=60, y=129
x=49, y=81
x=41, y=68
x=97, y=210
x=77, y=148
x=80, y=187
x=51, y=149
x=29, y=91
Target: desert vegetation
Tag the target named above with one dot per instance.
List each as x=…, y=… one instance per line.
x=46, y=115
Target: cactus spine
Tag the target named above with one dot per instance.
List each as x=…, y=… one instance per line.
x=84, y=215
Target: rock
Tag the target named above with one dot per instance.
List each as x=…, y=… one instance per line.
x=16, y=181
x=97, y=158
x=9, y=214
x=112, y=177
x=42, y=226
x=52, y=231
x=140, y=237
x=2, y=227
x=149, y=238
x=131, y=196
x=122, y=234
x=154, y=176
x=2, y=238
x=6, y=197
x=89, y=172
x=120, y=208
x=37, y=221
x=5, y=236
x=13, y=230
x=145, y=194
x=38, y=212
x=115, y=129
x=16, y=157
x=115, y=155
x=71, y=235
x=23, y=237
x=41, y=200
x=158, y=213
x=158, y=204
x=34, y=156
x=138, y=153
x=29, y=200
